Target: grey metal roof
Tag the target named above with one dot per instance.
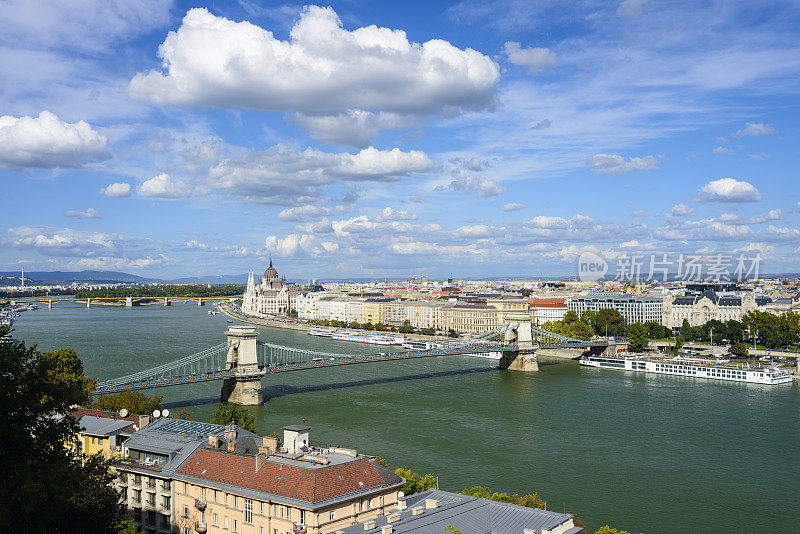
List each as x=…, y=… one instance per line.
x=102, y=426
x=468, y=514
x=297, y=428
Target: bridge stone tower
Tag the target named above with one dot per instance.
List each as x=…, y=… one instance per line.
x=521, y=354
x=245, y=386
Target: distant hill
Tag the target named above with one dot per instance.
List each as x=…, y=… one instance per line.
x=217, y=279
x=81, y=276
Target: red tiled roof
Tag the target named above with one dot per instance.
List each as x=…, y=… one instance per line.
x=309, y=485
x=547, y=303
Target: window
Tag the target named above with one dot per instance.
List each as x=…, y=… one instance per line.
x=275, y=511
x=332, y=515
x=167, y=486
x=137, y=495
x=215, y=495
x=226, y=522
x=185, y=511
x=236, y=501
x=261, y=508
x=260, y=530
x=164, y=520
x=137, y=479
x=215, y=520
x=248, y=511
x=185, y=490
x=235, y=525
x=165, y=504
x=151, y=499
x=185, y=530
x=302, y=517
x=203, y=494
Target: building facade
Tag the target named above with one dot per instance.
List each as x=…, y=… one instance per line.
x=269, y=296
x=708, y=306
x=633, y=309
x=547, y=310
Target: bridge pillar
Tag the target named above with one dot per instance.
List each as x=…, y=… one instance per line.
x=88, y=303
x=49, y=304
x=200, y=302
x=244, y=387
x=521, y=355
x=167, y=302
x=128, y=302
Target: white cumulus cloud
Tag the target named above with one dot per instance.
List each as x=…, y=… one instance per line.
x=755, y=128
x=729, y=190
x=390, y=214
x=117, y=190
x=536, y=59
x=615, y=164
x=322, y=69
x=302, y=213
x=91, y=213
x=679, y=209
x=282, y=175
x=512, y=206
x=162, y=186
x=48, y=142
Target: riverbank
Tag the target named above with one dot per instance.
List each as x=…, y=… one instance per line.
x=231, y=312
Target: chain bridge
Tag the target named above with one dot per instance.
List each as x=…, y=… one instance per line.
x=242, y=361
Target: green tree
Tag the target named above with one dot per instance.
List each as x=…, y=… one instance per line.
x=354, y=325
x=739, y=349
x=414, y=482
x=126, y=525
x=368, y=326
x=637, y=337
x=133, y=401
x=45, y=487
x=605, y=322
x=608, y=530
x=530, y=500
x=686, y=330
x=231, y=413
x=428, y=331
x=406, y=328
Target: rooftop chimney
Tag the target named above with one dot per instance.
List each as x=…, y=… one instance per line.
x=269, y=444
x=213, y=441
x=261, y=459
x=230, y=437
x=144, y=420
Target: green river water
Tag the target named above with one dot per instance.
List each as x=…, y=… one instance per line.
x=647, y=453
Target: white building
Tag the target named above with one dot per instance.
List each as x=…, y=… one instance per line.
x=270, y=296
x=548, y=310
x=633, y=309
x=709, y=306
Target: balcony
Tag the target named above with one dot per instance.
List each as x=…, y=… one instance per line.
x=200, y=505
x=200, y=528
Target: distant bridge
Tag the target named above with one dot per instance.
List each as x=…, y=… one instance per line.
x=243, y=360
x=127, y=301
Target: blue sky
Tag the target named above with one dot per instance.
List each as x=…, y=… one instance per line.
x=389, y=139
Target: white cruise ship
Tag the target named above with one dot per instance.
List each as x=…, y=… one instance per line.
x=372, y=339
x=694, y=367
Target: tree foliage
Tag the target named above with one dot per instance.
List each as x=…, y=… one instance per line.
x=160, y=291
x=231, y=413
x=415, y=483
x=570, y=326
x=45, y=486
x=606, y=322
x=637, y=337
x=608, y=530
x=739, y=349
x=773, y=331
x=133, y=401
x=530, y=500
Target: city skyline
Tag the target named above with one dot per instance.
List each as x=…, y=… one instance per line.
x=384, y=141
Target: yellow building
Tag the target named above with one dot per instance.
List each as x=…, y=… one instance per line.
x=374, y=311
x=473, y=319
x=102, y=431
x=279, y=491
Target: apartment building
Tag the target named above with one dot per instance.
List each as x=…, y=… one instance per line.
x=186, y=477
x=472, y=319
x=373, y=310
x=633, y=309
x=547, y=310
x=708, y=306
x=104, y=432
x=272, y=490
x=426, y=313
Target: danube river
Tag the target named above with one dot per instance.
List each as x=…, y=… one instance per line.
x=647, y=453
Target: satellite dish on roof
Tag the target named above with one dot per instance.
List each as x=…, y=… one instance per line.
x=123, y=412
x=165, y=413
x=156, y=414
x=400, y=494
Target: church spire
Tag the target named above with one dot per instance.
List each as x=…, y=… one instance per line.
x=270, y=260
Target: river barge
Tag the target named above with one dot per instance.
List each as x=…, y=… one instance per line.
x=693, y=367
